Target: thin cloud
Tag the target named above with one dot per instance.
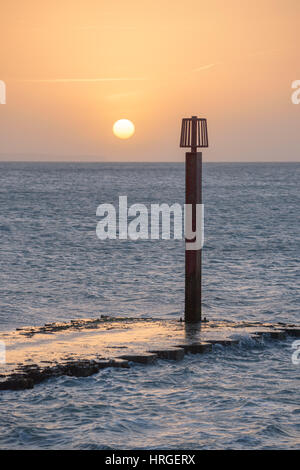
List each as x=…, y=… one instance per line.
x=84, y=80
x=117, y=96
x=206, y=67
x=102, y=27
x=264, y=52
x=252, y=54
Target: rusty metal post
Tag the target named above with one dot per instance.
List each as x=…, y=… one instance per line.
x=193, y=134
x=193, y=273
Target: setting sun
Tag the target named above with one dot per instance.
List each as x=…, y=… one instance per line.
x=123, y=128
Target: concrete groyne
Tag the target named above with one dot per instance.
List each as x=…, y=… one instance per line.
x=84, y=347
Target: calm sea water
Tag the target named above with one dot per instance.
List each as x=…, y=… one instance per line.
x=53, y=267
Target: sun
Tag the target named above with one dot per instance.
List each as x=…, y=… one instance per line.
x=123, y=128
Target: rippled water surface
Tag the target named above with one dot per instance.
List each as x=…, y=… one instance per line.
x=53, y=267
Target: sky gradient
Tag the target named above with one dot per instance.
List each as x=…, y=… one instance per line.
x=72, y=68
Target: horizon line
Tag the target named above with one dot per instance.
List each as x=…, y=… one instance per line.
x=146, y=161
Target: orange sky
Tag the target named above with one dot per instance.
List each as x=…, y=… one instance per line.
x=73, y=67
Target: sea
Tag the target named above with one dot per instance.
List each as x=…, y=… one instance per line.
x=53, y=267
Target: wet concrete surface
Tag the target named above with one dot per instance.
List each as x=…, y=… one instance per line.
x=83, y=347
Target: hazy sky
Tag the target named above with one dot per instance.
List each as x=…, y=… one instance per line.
x=73, y=67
